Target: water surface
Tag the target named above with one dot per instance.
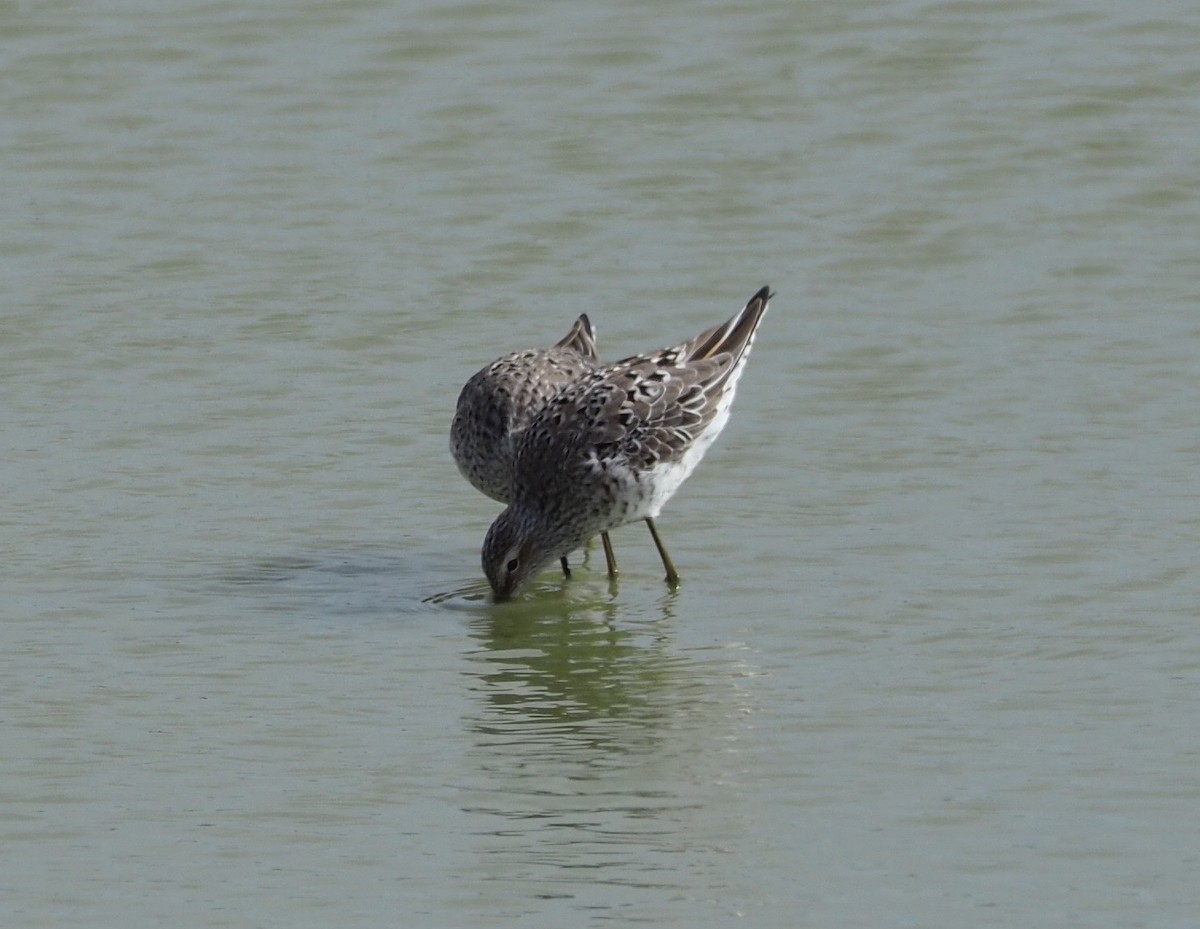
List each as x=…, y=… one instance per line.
x=935, y=654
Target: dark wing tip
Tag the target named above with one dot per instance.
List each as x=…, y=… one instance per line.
x=581, y=338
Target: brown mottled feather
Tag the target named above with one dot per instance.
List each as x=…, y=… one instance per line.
x=650, y=408
x=499, y=402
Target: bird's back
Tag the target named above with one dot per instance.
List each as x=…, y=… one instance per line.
x=500, y=401
x=620, y=440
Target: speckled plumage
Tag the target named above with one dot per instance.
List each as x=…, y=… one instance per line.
x=614, y=445
x=496, y=405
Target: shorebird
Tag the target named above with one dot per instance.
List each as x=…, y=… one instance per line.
x=613, y=445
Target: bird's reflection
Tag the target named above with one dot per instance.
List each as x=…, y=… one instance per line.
x=587, y=732
x=570, y=673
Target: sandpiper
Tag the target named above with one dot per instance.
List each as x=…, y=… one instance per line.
x=612, y=446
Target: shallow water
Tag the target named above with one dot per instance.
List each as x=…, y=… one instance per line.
x=934, y=656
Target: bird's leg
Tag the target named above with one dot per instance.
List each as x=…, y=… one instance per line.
x=608, y=555
x=672, y=574
x=566, y=567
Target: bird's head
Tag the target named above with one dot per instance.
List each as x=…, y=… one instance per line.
x=514, y=551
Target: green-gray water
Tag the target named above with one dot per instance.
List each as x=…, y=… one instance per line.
x=934, y=661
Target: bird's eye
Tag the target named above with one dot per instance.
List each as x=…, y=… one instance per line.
x=512, y=565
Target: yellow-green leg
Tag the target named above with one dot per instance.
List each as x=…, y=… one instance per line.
x=672, y=574
x=609, y=556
